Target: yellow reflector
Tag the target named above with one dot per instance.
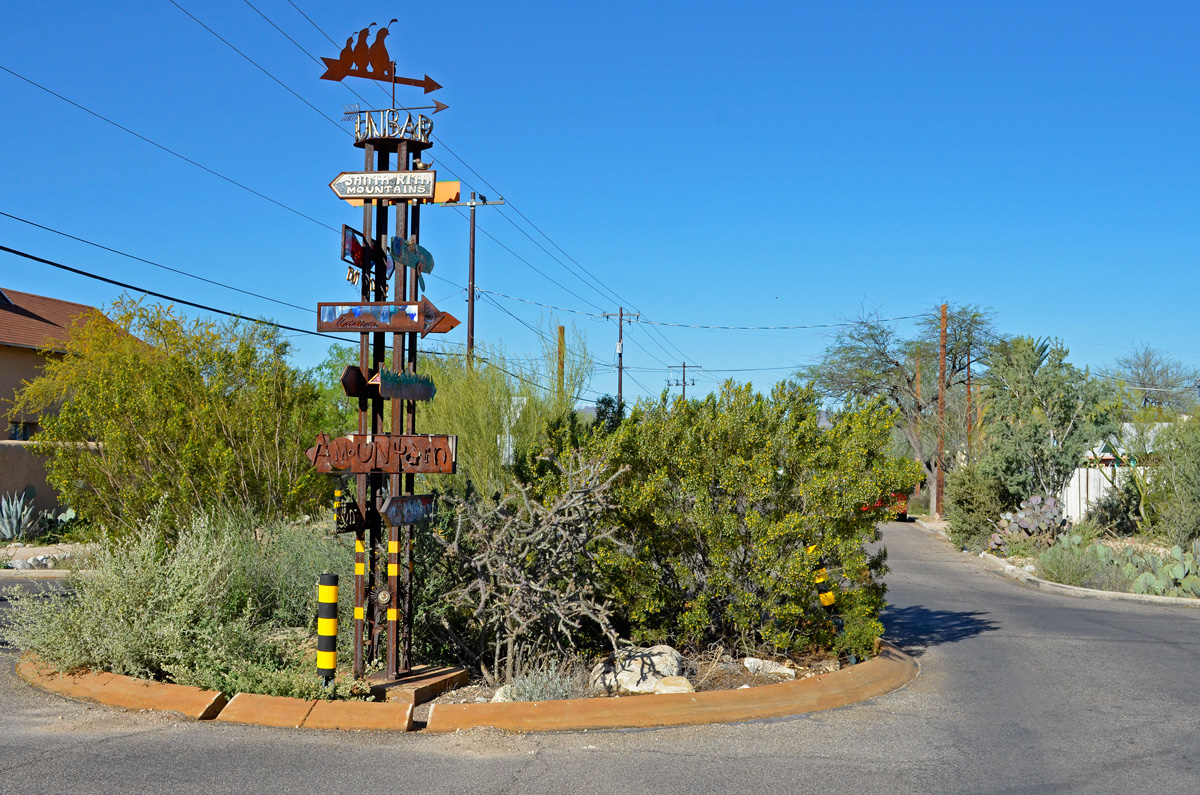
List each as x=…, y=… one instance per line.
x=827, y=599
x=327, y=659
x=391, y=614
x=327, y=593
x=358, y=613
x=327, y=626
x=358, y=546
x=393, y=569
x=360, y=569
x=393, y=546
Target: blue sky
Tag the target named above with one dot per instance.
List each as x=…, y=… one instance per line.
x=758, y=164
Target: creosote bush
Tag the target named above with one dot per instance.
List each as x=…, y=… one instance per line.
x=213, y=605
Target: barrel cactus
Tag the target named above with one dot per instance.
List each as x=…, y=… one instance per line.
x=1038, y=520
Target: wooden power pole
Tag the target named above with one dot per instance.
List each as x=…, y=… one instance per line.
x=471, y=269
x=940, y=492
x=562, y=358
x=622, y=319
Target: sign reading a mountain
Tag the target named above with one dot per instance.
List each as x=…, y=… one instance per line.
x=420, y=454
x=384, y=184
x=407, y=508
x=420, y=316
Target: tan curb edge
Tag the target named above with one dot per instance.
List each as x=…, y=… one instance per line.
x=125, y=691
x=888, y=671
x=1025, y=578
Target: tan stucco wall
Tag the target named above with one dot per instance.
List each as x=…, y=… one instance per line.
x=19, y=468
x=17, y=365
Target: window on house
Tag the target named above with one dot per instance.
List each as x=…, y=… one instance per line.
x=21, y=431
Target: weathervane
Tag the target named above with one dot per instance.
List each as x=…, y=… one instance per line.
x=371, y=62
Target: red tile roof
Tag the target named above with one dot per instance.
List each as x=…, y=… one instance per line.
x=35, y=321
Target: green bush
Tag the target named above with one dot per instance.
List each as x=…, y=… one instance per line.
x=974, y=501
x=729, y=505
x=553, y=679
x=214, y=605
x=1068, y=562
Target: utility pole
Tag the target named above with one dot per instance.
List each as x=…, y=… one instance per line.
x=683, y=381
x=622, y=319
x=562, y=354
x=471, y=270
x=941, y=446
x=917, y=411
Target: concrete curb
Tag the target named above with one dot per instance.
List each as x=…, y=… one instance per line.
x=888, y=671
x=35, y=574
x=1027, y=579
x=125, y=691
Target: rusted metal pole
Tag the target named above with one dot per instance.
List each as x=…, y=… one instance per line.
x=360, y=535
x=400, y=293
x=941, y=446
x=471, y=290
x=410, y=480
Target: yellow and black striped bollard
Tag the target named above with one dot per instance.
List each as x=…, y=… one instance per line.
x=824, y=589
x=327, y=605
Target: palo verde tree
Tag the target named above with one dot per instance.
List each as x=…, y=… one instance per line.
x=868, y=358
x=156, y=413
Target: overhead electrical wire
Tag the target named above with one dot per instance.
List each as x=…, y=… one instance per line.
x=168, y=150
x=152, y=262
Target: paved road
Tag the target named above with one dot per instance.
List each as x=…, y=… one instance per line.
x=1020, y=691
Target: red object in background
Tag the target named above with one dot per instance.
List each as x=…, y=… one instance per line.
x=898, y=503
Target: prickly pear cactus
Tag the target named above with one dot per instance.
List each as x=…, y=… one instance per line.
x=1038, y=520
x=1176, y=575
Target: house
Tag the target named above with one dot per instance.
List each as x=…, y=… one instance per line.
x=32, y=328
x=1132, y=445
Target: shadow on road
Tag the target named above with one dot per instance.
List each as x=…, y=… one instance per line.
x=916, y=628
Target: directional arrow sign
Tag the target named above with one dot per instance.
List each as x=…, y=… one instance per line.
x=420, y=316
x=429, y=84
x=408, y=508
x=384, y=184
x=361, y=454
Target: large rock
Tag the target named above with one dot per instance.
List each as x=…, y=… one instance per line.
x=674, y=684
x=768, y=668
x=636, y=670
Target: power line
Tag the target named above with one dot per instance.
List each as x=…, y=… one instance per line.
x=164, y=296
x=155, y=264
x=168, y=150
x=539, y=303
x=775, y=328
x=288, y=88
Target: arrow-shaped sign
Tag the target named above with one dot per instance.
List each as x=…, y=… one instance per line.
x=420, y=316
x=384, y=184
x=429, y=84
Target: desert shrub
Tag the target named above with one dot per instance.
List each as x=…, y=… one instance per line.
x=1069, y=562
x=974, y=500
x=729, y=506
x=213, y=605
x=1117, y=510
x=1175, y=489
x=552, y=679
x=520, y=573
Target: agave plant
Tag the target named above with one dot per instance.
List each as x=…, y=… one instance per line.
x=16, y=516
x=1038, y=520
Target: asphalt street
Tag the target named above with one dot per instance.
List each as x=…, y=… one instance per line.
x=1020, y=691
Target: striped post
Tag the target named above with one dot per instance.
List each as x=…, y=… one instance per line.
x=327, y=605
x=824, y=589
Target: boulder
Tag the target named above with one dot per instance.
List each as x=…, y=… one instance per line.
x=674, y=684
x=758, y=666
x=636, y=670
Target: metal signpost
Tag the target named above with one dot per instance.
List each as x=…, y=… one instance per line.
x=385, y=463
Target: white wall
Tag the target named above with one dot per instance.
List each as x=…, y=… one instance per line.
x=1085, y=487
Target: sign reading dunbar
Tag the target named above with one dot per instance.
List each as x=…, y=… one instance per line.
x=384, y=184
